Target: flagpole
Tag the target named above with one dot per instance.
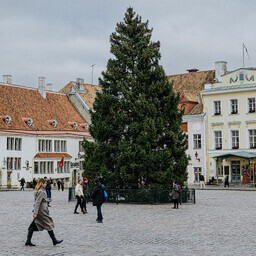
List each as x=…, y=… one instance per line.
x=243, y=55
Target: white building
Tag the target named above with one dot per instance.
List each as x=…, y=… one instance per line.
x=37, y=128
x=189, y=86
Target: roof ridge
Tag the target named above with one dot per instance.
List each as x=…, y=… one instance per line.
x=192, y=72
x=29, y=88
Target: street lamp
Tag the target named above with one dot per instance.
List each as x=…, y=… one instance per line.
x=196, y=155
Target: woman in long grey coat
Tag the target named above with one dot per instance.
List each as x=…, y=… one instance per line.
x=42, y=219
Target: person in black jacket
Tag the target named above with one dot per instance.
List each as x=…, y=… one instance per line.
x=201, y=178
x=98, y=198
x=48, y=191
x=22, y=183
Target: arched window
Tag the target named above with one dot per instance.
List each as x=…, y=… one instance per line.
x=185, y=109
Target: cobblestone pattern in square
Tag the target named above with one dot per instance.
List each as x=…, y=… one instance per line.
x=220, y=223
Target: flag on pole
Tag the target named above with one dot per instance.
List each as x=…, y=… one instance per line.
x=61, y=163
x=246, y=51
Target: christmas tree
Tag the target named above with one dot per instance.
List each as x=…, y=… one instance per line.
x=136, y=123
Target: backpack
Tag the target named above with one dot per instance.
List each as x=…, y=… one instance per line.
x=105, y=194
x=179, y=187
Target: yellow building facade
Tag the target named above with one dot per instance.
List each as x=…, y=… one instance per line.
x=230, y=107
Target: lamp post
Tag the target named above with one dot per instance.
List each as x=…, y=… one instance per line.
x=196, y=155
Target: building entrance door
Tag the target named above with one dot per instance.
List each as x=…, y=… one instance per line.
x=74, y=178
x=235, y=171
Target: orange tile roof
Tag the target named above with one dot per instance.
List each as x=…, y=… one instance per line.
x=89, y=95
x=190, y=84
x=20, y=103
x=52, y=155
x=191, y=96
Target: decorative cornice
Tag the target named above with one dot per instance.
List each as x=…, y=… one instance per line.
x=217, y=124
x=234, y=123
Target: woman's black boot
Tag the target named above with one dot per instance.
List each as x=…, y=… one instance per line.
x=54, y=240
x=29, y=236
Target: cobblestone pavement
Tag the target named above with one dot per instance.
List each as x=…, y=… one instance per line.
x=220, y=223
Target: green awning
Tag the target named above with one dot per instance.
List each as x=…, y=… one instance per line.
x=242, y=154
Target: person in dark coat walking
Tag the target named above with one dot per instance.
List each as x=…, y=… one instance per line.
x=86, y=193
x=48, y=191
x=42, y=219
x=226, y=182
x=34, y=183
x=62, y=185
x=58, y=183
x=98, y=198
x=175, y=195
x=22, y=183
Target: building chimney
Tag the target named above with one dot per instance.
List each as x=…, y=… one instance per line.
x=49, y=87
x=192, y=70
x=42, y=86
x=220, y=69
x=7, y=79
x=80, y=83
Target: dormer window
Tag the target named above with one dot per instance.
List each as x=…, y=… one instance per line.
x=73, y=124
x=28, y=121
x=85, y=126
x=6, y=119
x=53, y=123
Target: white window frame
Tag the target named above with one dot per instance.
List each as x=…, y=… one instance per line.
x=14, y=143
x=197, y=139
x=60, y=145
x=247, y=104
x=230, y=107
x=231, y=138
x=213, y=108
x=248, y=138
x=36, y=163
x=214, y=139
x=197, y=170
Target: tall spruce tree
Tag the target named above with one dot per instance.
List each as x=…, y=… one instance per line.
x=136, y=123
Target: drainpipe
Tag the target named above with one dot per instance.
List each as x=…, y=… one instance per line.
x=217, y=170
x=253, y=172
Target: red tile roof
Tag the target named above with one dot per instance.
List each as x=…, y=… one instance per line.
x=21, y=103
x=52, y=155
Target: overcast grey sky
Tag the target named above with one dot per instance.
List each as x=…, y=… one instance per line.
x=61, y=39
